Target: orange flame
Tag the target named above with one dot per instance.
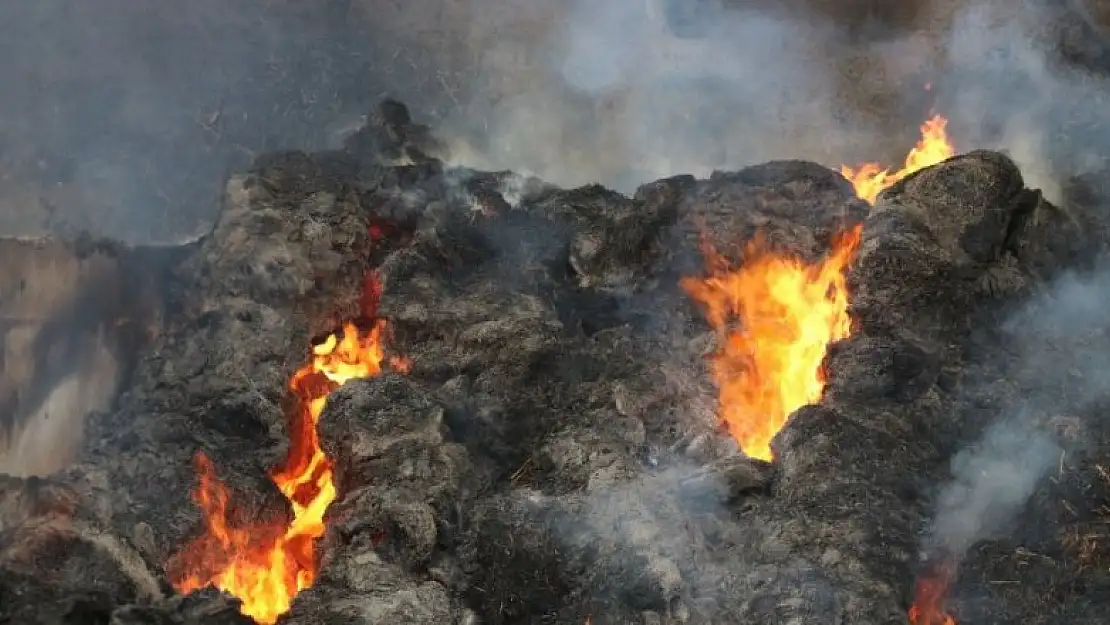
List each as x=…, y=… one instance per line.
x=871, y=178
x=265, y=564
x=775, y=317
x=928, y=604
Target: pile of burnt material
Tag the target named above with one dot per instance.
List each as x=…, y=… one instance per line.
x=537, y=439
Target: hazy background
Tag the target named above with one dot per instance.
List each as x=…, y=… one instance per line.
x=124, y=116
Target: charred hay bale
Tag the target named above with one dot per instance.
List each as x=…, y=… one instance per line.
x=589, y=429
x=965, y=203
x=390, y=136
x=381, y=533
x=616, y=250
x=850, y=468
x=938, y=238
x=881, y=368
x=927, y=269
x=795, y=593
x=487, y=326
x=514, y=559
x=287, y=257
x=794, y=205
x=358, y=588
x=1045, y=239
x=205, y=607
x=281, y=231
x=399, y=472
x=607, y=235
x=653, y=547
x=1085, y=199
x=258, y=297
x=59, y=562
x=596, y=456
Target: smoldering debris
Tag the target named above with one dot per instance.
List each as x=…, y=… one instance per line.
x=992, y=481
x=531, y=457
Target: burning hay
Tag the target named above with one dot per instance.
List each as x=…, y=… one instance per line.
x=553, y=446
x=870, y=179
x=788, y=314
x=266, y=565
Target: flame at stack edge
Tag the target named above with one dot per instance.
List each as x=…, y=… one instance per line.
x=265, y=563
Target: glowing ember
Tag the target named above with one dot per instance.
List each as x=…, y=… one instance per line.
x=265, y=564
x=870, y=178
x=775, y=316
x=928, y=603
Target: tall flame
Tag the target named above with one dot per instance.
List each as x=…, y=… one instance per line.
x=775, y=316
x=929, y=595
x=934, y=146
x=263, y=563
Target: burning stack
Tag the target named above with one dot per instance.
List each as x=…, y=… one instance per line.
x=420, y=394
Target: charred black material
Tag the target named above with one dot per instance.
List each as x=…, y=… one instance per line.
x=553, y=453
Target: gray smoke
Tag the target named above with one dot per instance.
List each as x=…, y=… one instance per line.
x=991, y=481
x=1006, y=87
x=606, y=92
x=124, y=119
x=1060, y=337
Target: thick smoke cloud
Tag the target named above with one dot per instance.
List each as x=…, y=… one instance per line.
x=1008, y=85
x=123, y=118
x=1059, y=335
x=614, y=96
x=606, y=92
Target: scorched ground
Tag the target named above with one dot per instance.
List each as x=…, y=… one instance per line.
x=554, y=451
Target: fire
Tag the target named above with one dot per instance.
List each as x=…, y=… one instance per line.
x=871, y=178
x=928, y=603
x=264, y=563
x=775, y=316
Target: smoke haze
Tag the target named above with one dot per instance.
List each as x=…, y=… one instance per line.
x=124, y=119
x=1059, y=337
x=609, y=94
x=991, y=481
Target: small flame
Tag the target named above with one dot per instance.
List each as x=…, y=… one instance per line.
x=929, y=596
x=775, y=317
x=266, y=564
x=870, y=179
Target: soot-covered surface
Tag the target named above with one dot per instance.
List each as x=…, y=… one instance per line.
x=552, y=456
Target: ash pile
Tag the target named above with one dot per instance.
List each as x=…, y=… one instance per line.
x=540, y=440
